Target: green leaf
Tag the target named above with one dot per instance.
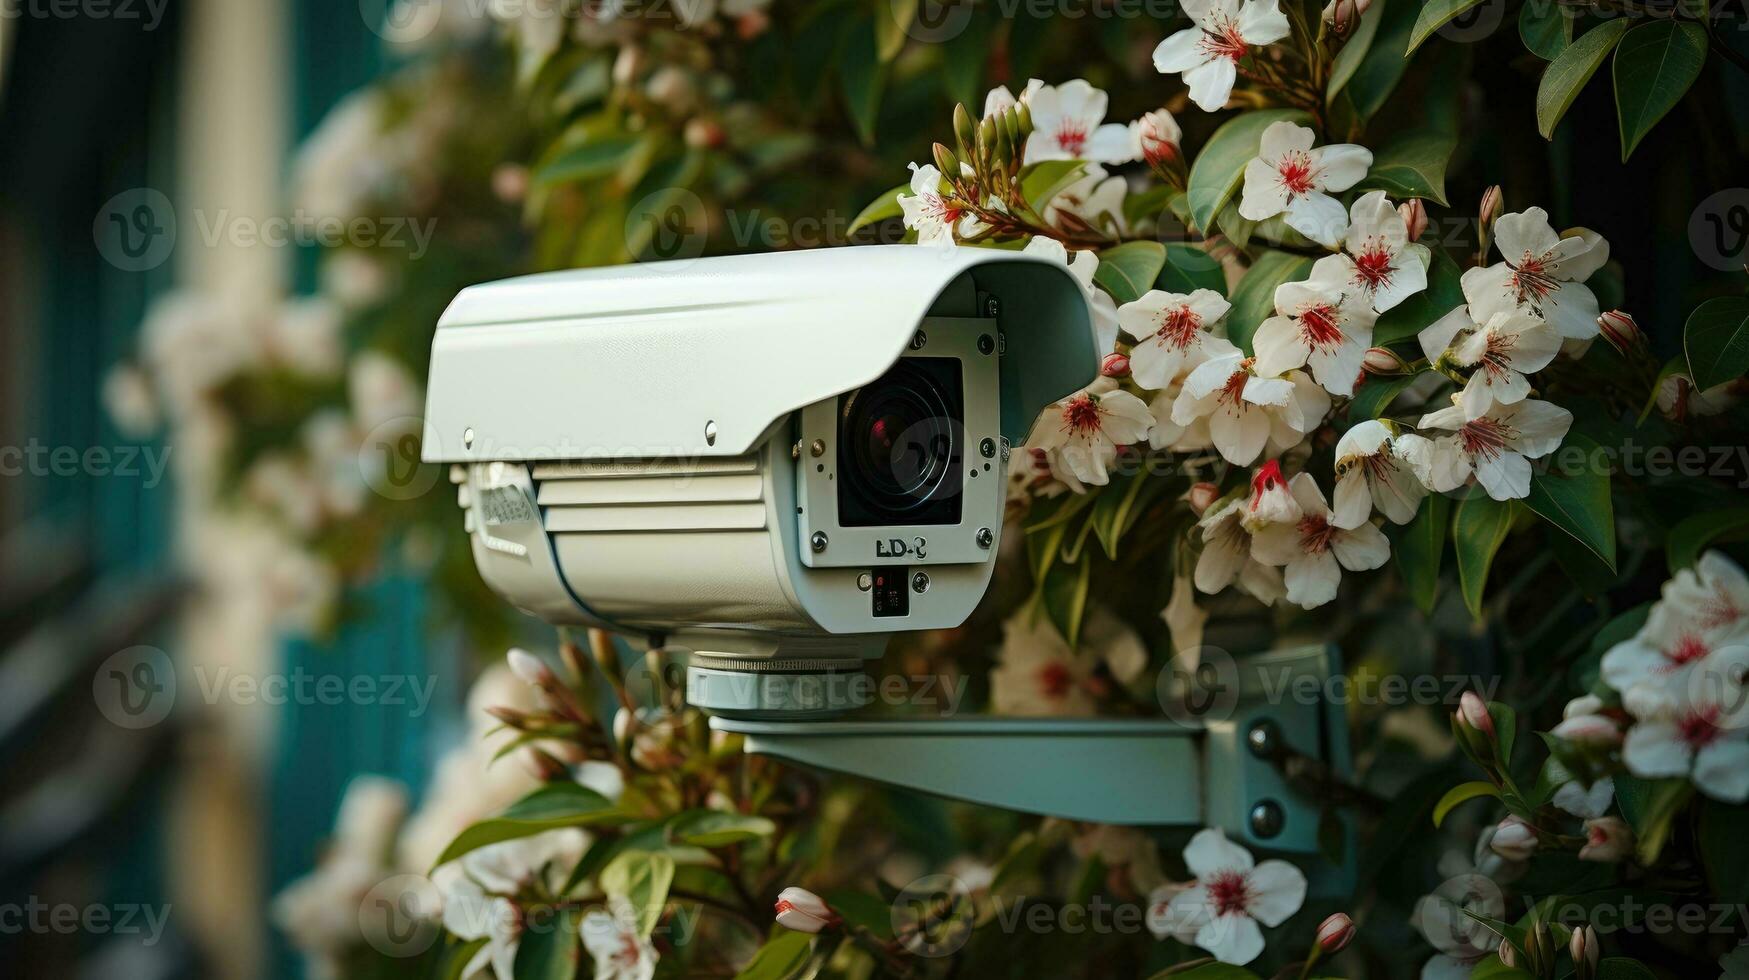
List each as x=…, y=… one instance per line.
x=1219, y=168
x=550, y=807
x=1385, y=62
x=1506, y=727
x=1116, y=512
x=1546, y=28
x=1685, y=542
x=781, y=956
x=1128, y=270
x=1716, y=341
x=1412, y=165
x=641, y=878
x=862, y=74
x=1443, y=294
x=1650, y=807
x=595, y=158
x=1434, y=15
x=715, y=828
x=1354, y=51
x=1577, y=500
x=1420, y=547
x=1064, y=597
x=548, y=950
x=1570, y=71
x=1623, y=968
x=1655, y=64
x=1046, y=179
x=1459, y=794
x=881, y=208
x=1478, y=530
x=1375, y=394
x=1189, y=268
x=1254, y=297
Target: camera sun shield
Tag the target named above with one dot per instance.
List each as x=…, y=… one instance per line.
x=908, y=469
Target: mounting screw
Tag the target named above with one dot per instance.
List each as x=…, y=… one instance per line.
x=918, y=339
x=468, y=436
x=987, y=447
x=920, y=583
x=795, y=451
x=985, y=538
x=992, y=307
x=1264, y=739
x=710, y=433
x=818, y=541
x=1267, y=819
x=986, y=344
x=865, y=581
x=818, y=448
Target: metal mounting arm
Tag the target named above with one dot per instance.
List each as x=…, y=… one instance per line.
x=1219, y=772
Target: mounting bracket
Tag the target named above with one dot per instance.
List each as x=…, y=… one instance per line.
x=1221, y=767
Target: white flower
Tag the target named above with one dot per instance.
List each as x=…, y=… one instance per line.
x=1677, y=397
x=1067, y=125
x=1514, y=839
x=1245, y=410
x=1037, y=673
x=1498, y=353
x=1378, y=468
x=1094, y=200
x=1226, y=552
x=1082, y=433
x=130, y=401
x=1379, y=260
x=928, y=212
x=1322, y=323
x=614, y=942
x=999, y=100
x=1672, y=659
x=1462, y=941
x=304, y=335
x=1271, y=500
x=1290, y=176
x=1714, y=594
x=1585, y=801
x=382, y=391
x=1169, y=329
x=1496, y=444
x=1314, y=550
x=1208, y=54
x=1168, y=434
x=477, y=891
x=1083, y=265
x=1543, y=274
x=1232, y=895
x=1698, y=741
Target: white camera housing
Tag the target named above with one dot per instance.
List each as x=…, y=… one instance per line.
x=662, y=449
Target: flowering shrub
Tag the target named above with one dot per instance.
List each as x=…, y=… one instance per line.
x=1324, y=387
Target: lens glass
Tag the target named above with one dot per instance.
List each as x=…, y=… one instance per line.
x=899, y=441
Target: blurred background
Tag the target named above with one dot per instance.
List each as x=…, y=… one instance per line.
x=227, y=228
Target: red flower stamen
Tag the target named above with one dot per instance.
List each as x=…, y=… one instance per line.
x=1485, y=437
x=1321, y=326
x=1699, y=728
x=1372, y=266
x=1072, y=137
x=1532, y=279
x=1054, y=680
x=1315, y=534
x=1296, y=173
x=1229, y=892
x=1223, y=40
x=1082, y=415
x=1178, y=327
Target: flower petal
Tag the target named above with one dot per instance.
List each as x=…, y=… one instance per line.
x=1277, y=890
x=1209, y=851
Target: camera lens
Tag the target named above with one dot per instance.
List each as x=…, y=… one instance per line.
x=899, y=443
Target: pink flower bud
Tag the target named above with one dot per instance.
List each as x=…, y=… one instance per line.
x=1594, y=731
x=803, y=911
x=1493, y=202
x=1621, y=331
x=1381, y=360
x=1202, y=496
x=510, y=182
x=1607, y=839
x=1339, y=14
x=1115, y=366
x=1473, y=711
x=1271, y=503
x=1335, y=932
x=1514, y=840
x=1414, y=212
x=703, y=134
x=1159, y=135
x=1583, y=947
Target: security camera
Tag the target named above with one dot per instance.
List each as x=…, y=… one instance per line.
x=771, y=462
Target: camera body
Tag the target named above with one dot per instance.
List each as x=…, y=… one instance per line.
x=772, y=461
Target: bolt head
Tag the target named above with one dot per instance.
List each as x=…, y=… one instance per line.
x=818, y=542
x=1264, y=739
x=1267, y=819
x=985, y=537
x=920, y=583
x=986, y=344
x=818, y=448
x=919, y=339
x=987, y=448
